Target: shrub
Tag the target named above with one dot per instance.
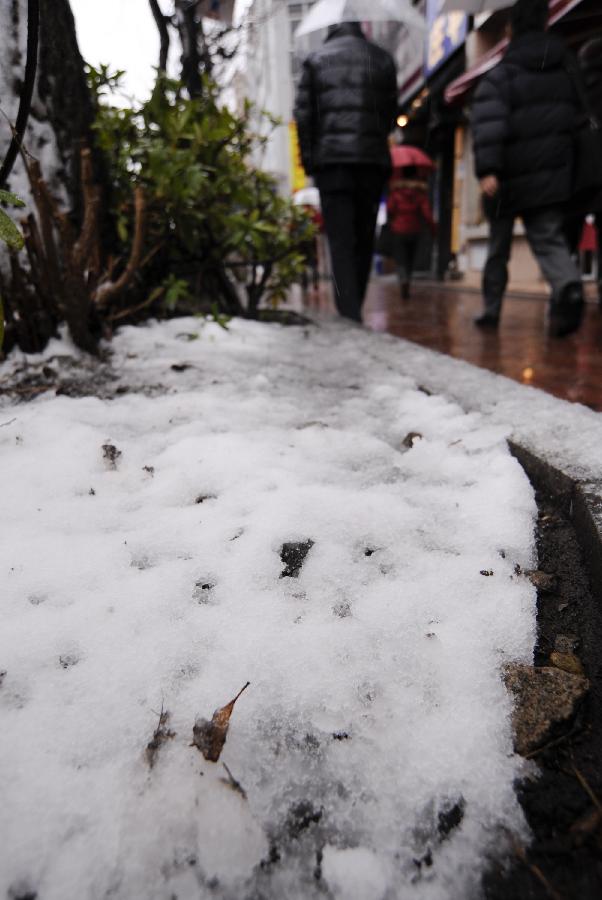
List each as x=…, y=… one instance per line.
x=213, y=219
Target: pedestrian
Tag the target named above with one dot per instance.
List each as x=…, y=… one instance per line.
x=523, y=118
x=408, y=210
x=345, y=109
x=590, y=62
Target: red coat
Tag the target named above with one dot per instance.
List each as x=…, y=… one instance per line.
x=408, y=207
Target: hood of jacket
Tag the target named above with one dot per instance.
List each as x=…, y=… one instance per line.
x=536, y=51
x=345, y=29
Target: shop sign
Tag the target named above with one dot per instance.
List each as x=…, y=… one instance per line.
x=296, y=171
x=445, y=34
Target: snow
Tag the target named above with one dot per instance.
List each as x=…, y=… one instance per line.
x=121, y=34
x=566, y=435
x=376, y=712
x=40, y=140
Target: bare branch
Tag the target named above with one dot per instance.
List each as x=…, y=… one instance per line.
x=161, y=22
x=33, y=31
x=109, y=289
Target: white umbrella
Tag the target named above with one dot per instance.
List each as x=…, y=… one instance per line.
x=474, y=6
x=332, y=12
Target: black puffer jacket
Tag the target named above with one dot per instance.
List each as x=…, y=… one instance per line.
x=590, y=60
x=346, y=102
x=523, y=116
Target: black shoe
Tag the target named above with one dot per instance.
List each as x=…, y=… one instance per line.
x=566, y=313
x=487, y=320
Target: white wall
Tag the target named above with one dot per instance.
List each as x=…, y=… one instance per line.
x=267, y=80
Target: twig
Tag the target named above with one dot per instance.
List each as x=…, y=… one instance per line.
x=83, y=250
x=47, y=214
x=39, y=389
x=10, y=422
x=161, y=22
x=33, y=33
x=107, y=290
x=161, y=734
x=551, y=744
x=587, y=788
x=233, y=783
x=122, y=314
x=536, y=871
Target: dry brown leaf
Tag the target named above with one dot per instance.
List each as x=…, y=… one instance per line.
x=210, y=737
x=410, y=439
x=543, y=581
x=568, y=662
x=161, y=735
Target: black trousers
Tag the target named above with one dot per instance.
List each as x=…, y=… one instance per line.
x=405, y=247
x=350, y=197
x=546, y=237
x=495, y=273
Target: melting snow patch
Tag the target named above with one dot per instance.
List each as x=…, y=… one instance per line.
x=330, y=562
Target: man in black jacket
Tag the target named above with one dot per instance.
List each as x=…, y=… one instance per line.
x=524, y=114
x=345, y=110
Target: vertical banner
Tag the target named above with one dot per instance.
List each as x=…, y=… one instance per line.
x=445, y=34
x=456, y=241
x=296, y=170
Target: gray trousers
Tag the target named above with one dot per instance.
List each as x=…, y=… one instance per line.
x=545, y=233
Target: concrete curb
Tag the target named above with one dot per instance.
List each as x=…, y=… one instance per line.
x=582, y=500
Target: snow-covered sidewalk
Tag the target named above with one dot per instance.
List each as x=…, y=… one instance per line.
x=141, y=559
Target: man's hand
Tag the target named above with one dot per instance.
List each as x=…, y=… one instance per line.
x=490, y=185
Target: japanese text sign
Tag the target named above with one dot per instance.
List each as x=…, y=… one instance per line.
x=446, y=33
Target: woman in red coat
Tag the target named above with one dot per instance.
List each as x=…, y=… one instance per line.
x=408, y=209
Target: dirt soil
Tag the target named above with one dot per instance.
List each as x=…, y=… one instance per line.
x=563, y=805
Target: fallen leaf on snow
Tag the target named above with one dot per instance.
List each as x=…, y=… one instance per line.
x=210, y=737
x=410, y=439
x=161, y=735
x=547, y=584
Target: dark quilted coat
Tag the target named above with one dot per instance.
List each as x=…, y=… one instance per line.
x=523, y=117
x=590, y=60
x=346, y=103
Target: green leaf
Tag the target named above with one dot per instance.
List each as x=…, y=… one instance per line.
x=9, y=233
x=11, y=199
x=122, y=229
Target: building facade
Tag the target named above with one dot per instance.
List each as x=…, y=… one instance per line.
x=270, y=71
x=436, y=77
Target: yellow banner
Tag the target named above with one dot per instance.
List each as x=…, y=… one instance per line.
x=297, y=173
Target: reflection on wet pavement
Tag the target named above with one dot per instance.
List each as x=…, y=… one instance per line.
x=441, y=318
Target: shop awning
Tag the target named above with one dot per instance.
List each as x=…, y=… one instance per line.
x=457, y=90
